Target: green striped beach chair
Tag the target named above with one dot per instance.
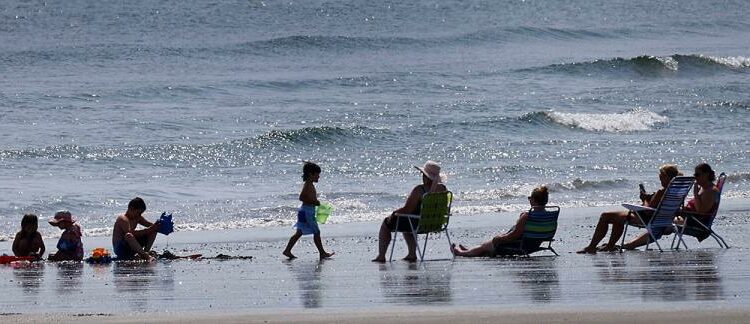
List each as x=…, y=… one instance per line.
x=541, y=226
x=433, y=218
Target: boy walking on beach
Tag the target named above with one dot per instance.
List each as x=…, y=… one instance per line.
x=306, y=223
x=128, y=242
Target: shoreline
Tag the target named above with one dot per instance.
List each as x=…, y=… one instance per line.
x=367, y=228
x=421, y=315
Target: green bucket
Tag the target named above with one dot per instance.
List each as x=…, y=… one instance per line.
x=322, y=212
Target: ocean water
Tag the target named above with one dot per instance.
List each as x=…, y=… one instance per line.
x=207, y=109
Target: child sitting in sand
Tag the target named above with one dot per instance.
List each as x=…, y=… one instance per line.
x=306, y=223
x=28, y=242
x=69, y=247
x=508, y=243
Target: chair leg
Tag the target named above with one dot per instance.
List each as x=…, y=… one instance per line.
x=719, y=239
x=448, y=236
x=424, y=247
x=682, y=239
x=676, y=231
x=393, y=240
x=655, y=241
x=415, y=233
x=551, y=249
x=624, y=232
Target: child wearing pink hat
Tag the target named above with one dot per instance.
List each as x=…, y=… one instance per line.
x=69, y=247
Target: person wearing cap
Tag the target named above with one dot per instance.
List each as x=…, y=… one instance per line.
x=432, y=181
x=129, y=243
x=69, y=247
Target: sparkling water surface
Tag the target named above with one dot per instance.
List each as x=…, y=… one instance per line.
x=207, y=109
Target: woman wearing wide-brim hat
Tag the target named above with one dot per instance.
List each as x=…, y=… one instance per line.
x=432, y=181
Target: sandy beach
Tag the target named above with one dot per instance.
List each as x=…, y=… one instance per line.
x=691, y=286
x=423, y=315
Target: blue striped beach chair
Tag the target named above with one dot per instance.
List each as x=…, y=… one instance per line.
x=693, y=226
x=541, y=226
x=663, y=215
x=435, y=213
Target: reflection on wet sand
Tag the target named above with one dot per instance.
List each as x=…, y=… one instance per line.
x=428, y=283
x=134, y=280
x=683, y=276
x=69, y=277
x=310, y=286
x=538, y=276
x=29, y=276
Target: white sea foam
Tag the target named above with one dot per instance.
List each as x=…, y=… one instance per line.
x=668, y=62
x=736, y=62
x=635, y=120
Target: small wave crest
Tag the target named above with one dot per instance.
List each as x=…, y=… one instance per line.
x=523, y=190
x=631, y=121
x=318, y=134
x=235, y=152
x=739, y=176
x=654, y=66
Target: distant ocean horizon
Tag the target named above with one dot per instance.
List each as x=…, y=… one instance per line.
x=207, y=110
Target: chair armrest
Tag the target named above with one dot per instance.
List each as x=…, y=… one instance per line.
x=412, y=216
x=637, y=208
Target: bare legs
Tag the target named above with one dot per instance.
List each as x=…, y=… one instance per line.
x=292, y=241
x=484, y=249
x=148, y=236
x=384, y=239
x=640, y=240
x=617, y=219
x=318, y=244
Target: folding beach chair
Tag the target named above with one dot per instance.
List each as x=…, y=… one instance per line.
x=693, y=226
x=433, y=218
x=540, y=228
x=664, y=214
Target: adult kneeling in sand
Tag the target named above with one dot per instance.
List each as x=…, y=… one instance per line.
x=128, y=242
x=432, y=181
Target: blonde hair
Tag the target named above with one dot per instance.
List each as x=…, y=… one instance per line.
x=669, y=170
x=540, y=195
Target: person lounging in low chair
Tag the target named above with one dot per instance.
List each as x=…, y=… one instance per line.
x=510, y=242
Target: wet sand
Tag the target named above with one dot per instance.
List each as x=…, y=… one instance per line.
x=424, y=315
x=597, y=287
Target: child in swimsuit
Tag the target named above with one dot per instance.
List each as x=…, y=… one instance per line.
x=306, y=223
x=69, y=247
x=28, y=242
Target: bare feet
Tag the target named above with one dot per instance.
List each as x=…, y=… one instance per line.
x=379, y=259
x=588, y=249
x=289, y=255
x=326, y=255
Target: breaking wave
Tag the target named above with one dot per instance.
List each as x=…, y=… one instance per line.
x=652, y=66
x=631, y=121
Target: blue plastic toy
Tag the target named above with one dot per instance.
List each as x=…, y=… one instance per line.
x=166, y=226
